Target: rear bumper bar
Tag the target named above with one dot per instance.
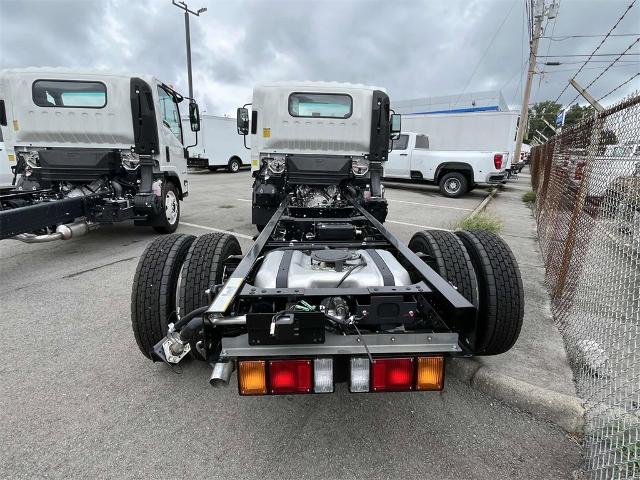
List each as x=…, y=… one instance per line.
x=446, y=343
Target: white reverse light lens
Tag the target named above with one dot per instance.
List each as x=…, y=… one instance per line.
x=359, y=374
x=323, y=375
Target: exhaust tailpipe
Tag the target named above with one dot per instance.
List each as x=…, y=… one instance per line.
x=222, y=373
x=63, y=232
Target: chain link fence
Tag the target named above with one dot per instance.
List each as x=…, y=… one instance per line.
x=587, y=184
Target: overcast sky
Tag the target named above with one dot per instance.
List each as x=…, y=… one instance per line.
x=413, y=48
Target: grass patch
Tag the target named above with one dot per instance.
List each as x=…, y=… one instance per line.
x=529, y=197
x=482, y=221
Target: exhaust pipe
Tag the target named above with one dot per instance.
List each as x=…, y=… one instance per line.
x=221, y=373
x=63, y=232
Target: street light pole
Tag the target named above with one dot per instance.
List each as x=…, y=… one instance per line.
x=187, y=31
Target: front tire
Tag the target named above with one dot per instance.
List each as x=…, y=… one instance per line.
x=454, y=184
x=153, y=293
x=234, y=165
x=501, y=295
x=169, y=217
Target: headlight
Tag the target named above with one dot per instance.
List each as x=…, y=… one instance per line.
x=276, y=165
x=130, y=160
x=359, y=166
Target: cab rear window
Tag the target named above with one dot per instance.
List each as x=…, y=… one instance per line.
x=69, y=93
x=321, y=105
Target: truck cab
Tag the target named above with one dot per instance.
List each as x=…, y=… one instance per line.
x=117, y=139
x=319, y=139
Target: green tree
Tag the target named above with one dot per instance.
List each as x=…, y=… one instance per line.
x=546, y=110
x=576, y=113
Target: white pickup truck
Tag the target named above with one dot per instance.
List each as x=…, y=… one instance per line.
x=455, y=171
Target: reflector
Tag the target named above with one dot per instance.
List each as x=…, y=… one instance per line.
x=252, y=377
x=359, y=374
x=430, y=373
x=323, y=375
x=290, y=376
x=392, y=374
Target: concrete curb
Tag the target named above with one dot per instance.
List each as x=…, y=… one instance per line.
x=562, y=410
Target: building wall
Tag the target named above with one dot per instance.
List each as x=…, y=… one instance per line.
x=468, y=102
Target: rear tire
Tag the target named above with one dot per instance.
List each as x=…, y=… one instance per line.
x=501, y=307
x=454, y=184
x=153, y=294
x=234, y=165
x=204, y=267
x=168, y=219
x=449, y=258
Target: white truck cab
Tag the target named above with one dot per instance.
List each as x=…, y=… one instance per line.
x=455, y=171
x=115, y=138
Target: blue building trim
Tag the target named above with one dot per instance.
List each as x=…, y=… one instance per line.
x=494, y=108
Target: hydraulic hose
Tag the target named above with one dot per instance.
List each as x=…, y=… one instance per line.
x=189, y=330
x=183, y=321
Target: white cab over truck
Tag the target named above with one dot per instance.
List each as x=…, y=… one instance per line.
x=90, y=148
x=219, y=146
x=326, y=294
x=455, y=171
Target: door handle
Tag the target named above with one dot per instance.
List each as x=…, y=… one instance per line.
x=404, y=154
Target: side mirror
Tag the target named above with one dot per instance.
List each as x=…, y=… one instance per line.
x=194, y=116
x=396, y=125
x=242, y=120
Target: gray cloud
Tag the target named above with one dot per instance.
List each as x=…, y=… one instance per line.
x=413, y=48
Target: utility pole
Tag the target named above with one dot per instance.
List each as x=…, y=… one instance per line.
x=539, y=13
x=185, y=7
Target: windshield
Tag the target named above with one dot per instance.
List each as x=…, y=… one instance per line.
x=323, y=105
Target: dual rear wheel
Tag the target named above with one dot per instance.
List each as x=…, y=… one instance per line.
x=481, y=266
x=172, y=277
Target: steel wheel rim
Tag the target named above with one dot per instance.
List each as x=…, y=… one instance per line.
x=234, y=166
x=171, y=207
x=452, y=185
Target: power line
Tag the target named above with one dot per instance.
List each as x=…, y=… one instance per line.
x=495, y=35
x=623, y=54
x=618, y=87
x=629, y=64
x=606, y=69
x=597, y=48
x=562, y=38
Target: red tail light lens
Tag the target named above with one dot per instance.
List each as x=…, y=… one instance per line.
x=290, y=376
x=392, y=374
x=497, y=161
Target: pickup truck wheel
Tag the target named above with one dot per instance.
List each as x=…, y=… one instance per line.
x=153, y=296
x=203, y=268
x=234, y=165
x=501, y=306
x=449, y=258
x=453, y=184
x=168, y=219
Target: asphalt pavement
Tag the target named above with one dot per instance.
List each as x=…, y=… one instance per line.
x=78, y=400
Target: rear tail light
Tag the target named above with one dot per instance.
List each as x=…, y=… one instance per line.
x=252, y=376
x=323, y=375
x=497, y=161
x=430, y=373
x=392, y=374
x=290, y=376
x=359, y=374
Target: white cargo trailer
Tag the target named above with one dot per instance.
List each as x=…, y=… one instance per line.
x=472, y=131
x=219, y=145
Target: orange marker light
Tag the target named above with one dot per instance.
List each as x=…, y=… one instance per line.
x=430, y=373
x=252, y=376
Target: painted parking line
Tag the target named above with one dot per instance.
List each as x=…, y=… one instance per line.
x=429, y=205
x=243, y=200
x=211, y=229
x=419, y=226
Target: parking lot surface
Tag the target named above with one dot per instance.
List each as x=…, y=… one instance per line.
x=78, y=400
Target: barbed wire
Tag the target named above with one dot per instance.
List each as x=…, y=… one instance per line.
x=596, y=49
x=618, y=87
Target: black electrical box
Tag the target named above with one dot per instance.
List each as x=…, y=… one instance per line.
x=334, y=231
x=288, y=328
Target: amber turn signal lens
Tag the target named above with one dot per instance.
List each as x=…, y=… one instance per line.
x=252, y=377
x=430, y=373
